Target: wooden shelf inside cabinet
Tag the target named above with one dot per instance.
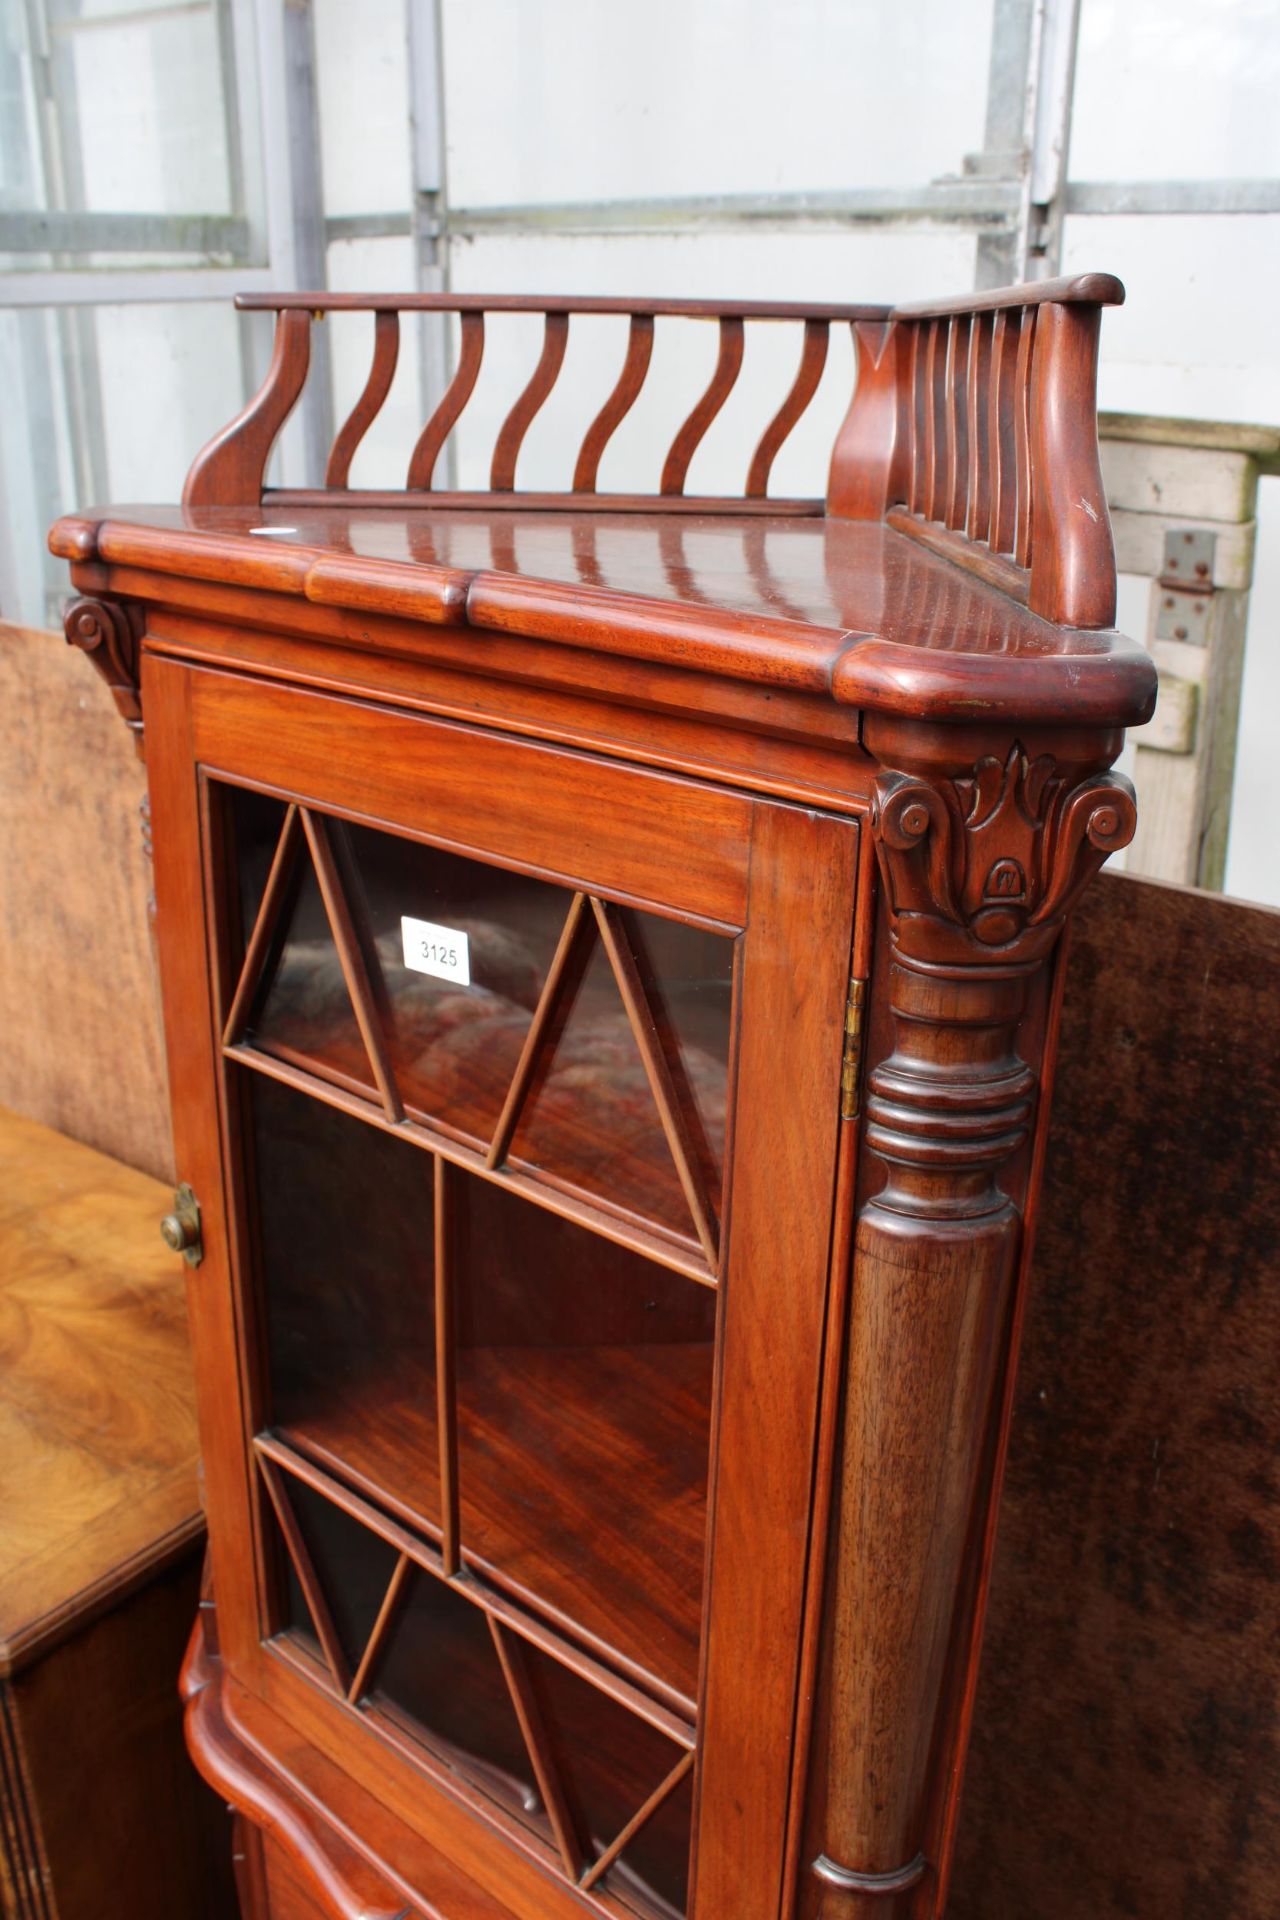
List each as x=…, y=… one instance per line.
x=583, y=1488
x=609, y=954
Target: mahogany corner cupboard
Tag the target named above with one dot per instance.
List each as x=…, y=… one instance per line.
x=611, y=951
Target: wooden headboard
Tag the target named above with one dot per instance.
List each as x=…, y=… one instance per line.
x=972, y=427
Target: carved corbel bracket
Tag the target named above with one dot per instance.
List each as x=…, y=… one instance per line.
x=110, y=632
x=982, y=869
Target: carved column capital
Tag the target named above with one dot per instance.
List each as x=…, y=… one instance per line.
x=110, y=632
x=982, y=867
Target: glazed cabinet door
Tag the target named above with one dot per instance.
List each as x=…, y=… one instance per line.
x=508, y=1079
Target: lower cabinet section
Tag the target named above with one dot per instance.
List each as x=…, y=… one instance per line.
x=270, y=1888
x=293, y=1813
x=271, y=1885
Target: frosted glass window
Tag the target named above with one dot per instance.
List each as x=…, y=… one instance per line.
x=597, y=102
x=1176, y=90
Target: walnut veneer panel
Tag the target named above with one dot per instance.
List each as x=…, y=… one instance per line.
x=98, y=1445
x=1125, y=1763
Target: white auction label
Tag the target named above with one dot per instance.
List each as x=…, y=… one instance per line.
x=439, y=950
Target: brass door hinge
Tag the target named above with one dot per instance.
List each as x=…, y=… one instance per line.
x=851, y=1065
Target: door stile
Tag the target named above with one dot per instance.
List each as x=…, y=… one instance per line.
x=835, y=1335
x=795, y=974
x=228, y=943
x=191, y=1040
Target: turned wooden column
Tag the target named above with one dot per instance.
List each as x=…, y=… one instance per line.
x=983, y=843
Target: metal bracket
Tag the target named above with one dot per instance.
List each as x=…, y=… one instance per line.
x=1186, y=586
x=1183, y=616
x=852, y=1060
x=1188, y=558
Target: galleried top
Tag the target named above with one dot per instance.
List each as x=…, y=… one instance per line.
x=960, y=564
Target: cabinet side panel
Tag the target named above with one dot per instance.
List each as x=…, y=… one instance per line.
x=120, y=1806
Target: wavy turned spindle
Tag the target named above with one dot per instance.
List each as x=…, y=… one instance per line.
x=506, y=452
x=932, y=451
x=978, y=506
x=1022, y=439
x=231, y=470
x=422, y=462
x=1000, y=436
x=914, y=418
x=386, y=352
x=957, y=373
x=813, y=359
x=687, y=441
x=618, y=405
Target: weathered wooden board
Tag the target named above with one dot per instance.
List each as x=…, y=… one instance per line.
x=1189, y=482
x=1126, y=1758
x=79, y=1005
x=1140, y=539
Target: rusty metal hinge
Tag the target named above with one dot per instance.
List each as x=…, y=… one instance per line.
x=851, y=1064
x=1185, y=588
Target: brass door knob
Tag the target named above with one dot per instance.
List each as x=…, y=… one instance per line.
x=180, y=1230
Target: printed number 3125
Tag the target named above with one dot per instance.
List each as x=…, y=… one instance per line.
x=442, y=951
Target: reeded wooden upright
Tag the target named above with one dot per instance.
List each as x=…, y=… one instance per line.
x=610, y=947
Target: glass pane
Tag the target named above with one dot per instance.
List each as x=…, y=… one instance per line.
x=435, y=1670
x=441, y=1674
x=345, y=1232
x=1210, y=82
x=362, y=76
x=132, y=108
x=613, y=1762
x=307, y=1013
x=584, y=1379
x=590, y=1117
x=687, y=977
x=455, y=955
x=352, y=1566
x=258, y=822
x=714, y=98
x=455, y=1042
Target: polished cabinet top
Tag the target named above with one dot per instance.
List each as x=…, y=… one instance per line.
x=848, y=608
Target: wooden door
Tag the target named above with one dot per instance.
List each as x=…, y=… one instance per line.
x=508, y=1080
